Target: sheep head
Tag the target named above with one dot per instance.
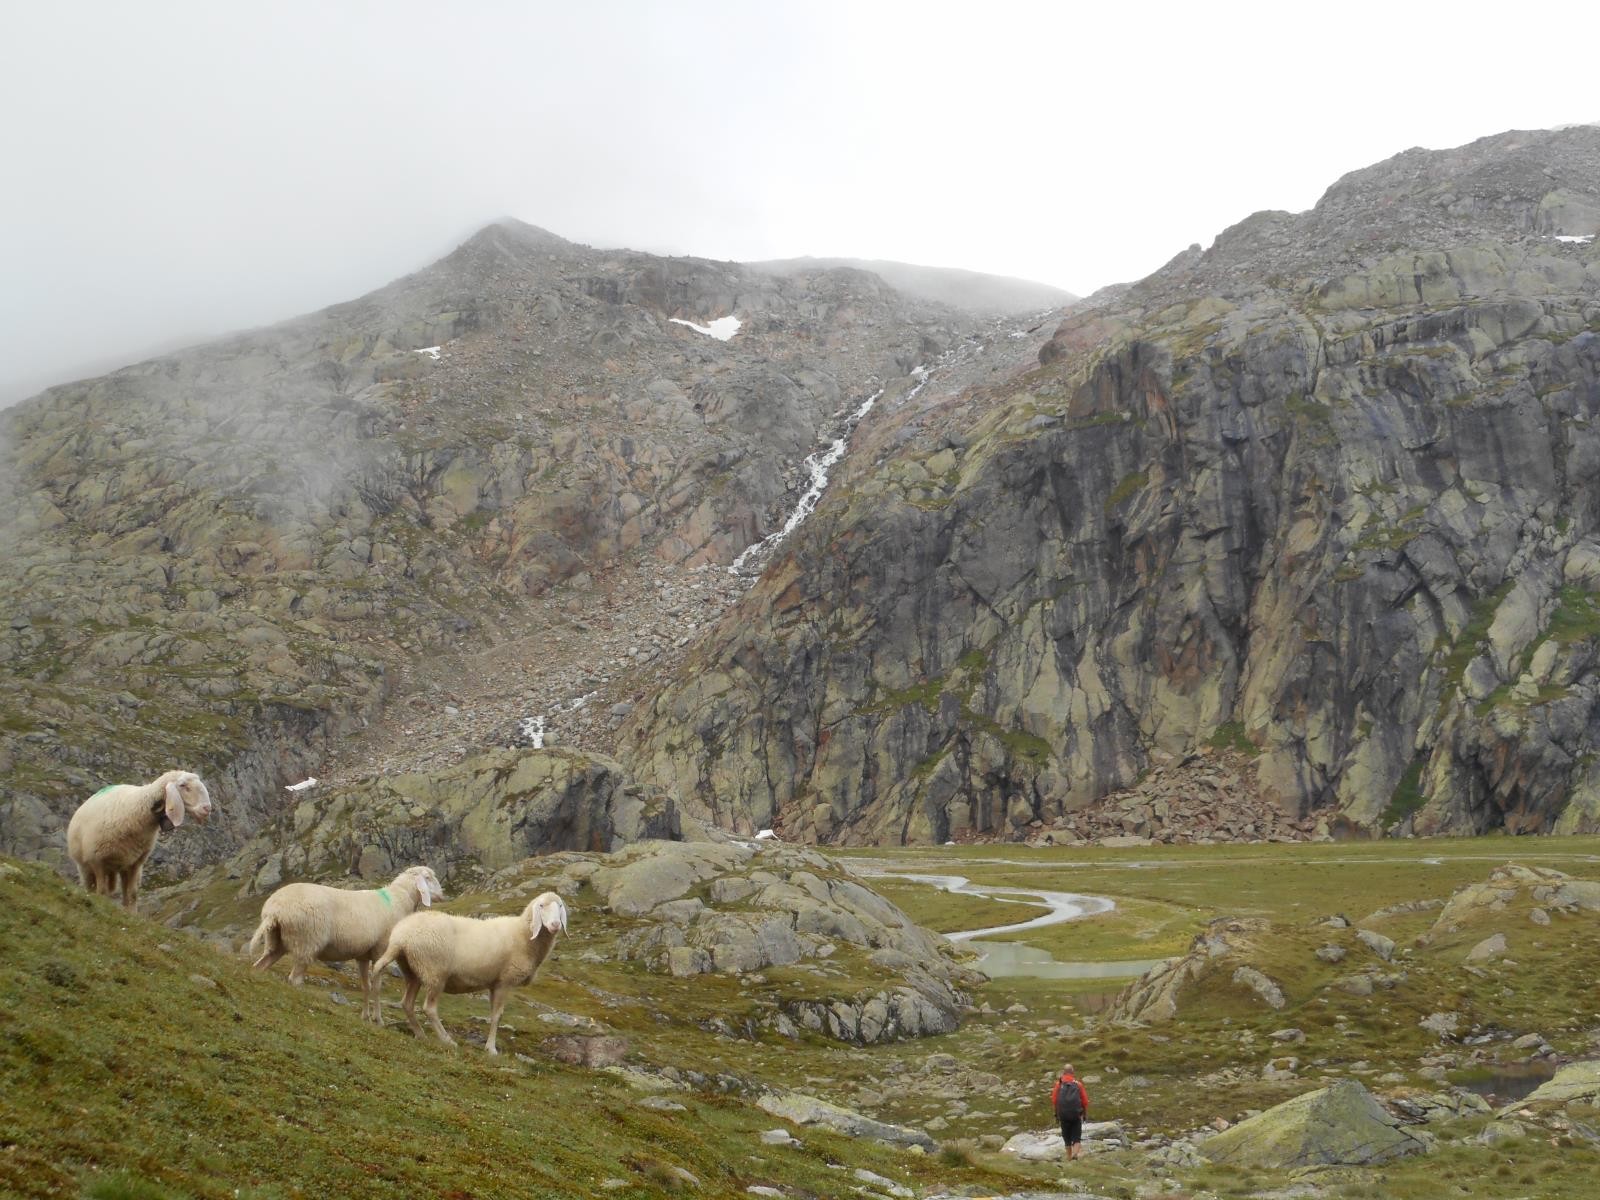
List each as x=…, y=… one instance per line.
x=186, y=795
x=424, y=881
x=547, y=914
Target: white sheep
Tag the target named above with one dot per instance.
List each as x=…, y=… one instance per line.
x=465, y=954
x=309, y=921
x=114, y=830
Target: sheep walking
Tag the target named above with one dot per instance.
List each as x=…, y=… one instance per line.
x=464, y=954
x=308, y=921
x=113, y=832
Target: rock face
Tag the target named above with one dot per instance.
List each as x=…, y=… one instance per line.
x=1327, y=488
x=490, y=811
x=221, y=559
x=1341, y=1125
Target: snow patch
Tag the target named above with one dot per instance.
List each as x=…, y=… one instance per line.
x=722, y=328
x=431, y=351
x=303, y=786
x=1581, y=239
x=766, y=835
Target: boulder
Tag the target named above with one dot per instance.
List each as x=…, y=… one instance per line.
x=1491, y=947
x=1579, y=1081
x=1261, y=985
x=808, y=1110
x=1381, y=946
x=1045, y=1145
x=588, y=1051
x=1340, y=1125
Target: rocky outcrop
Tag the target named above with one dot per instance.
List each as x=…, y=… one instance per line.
x=1341, y=1125
x=1333, y=496
x=1215, y=957
x=736, y=908
x=488, y=812
x=1472, y=906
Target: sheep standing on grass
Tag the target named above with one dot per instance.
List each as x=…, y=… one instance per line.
x=309, y=921
x=113, y=832
x=465, y=954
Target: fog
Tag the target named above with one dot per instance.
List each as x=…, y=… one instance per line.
x=177, y=170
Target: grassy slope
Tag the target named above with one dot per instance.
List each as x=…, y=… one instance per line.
x=113, y=1058
x=127, y=1047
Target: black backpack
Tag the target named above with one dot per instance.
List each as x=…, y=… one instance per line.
x=1069, y=1100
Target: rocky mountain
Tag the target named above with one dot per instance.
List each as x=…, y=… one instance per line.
x=1320, y=495
x=972, y=291
x=231, y=556
x=1326, y=489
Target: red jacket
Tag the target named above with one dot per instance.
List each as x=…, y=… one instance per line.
x=1056, y=1091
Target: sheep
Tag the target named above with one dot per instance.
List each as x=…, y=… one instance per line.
x=309, y=921
x=465, y=954
x=113, y=831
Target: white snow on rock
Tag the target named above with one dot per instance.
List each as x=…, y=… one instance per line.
x=722, y=328
x=532, y=728
x=1581, y=239
x=766, y=835
x=303, y=785
x=431, y=351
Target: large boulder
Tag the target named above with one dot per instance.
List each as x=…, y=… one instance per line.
x=1339, y=1125
x=808, y=1110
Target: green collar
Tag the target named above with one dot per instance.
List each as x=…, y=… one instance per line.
x=383, y=894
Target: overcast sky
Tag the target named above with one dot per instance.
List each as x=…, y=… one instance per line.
x=176, y=170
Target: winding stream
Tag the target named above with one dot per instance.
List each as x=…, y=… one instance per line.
x=1000, y=959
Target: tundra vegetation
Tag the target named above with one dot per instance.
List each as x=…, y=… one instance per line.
x=242, y=1091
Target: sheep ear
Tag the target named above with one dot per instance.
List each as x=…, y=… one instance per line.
x=174, y=808
x=424, y=891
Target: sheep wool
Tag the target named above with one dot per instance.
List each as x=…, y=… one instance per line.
x=111, y=835
x=442, y=953
x=312, y=922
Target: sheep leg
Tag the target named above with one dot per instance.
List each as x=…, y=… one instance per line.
x=497, y=1003
x=409, y=1003
x=108, y=883
x=130, y=884
x=431, y=1007
x=269, y=957
x=370, y=983
x=297, y=973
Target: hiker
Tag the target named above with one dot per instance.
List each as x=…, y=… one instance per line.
x=1071, y=1103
